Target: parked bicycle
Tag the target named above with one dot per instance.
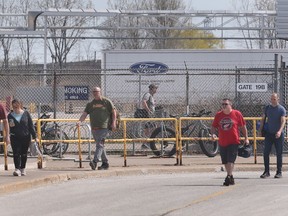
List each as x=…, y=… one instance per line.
x=168, y=148
x=52, y=131
x=49, y=131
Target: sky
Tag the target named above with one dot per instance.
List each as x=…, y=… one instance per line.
x=196, y=4
x=193, y=4
x=102, y=5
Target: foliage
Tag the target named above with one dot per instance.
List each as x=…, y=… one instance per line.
x=59, y=45
x=195, y=41
x=151, y=36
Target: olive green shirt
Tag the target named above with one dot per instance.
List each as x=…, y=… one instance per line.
x=100, y=112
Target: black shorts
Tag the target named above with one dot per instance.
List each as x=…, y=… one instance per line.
x=229, y=153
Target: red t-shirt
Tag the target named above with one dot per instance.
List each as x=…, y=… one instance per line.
x=227, y=126
x=3, y=114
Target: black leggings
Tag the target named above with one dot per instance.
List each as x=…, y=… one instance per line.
x=20, y=147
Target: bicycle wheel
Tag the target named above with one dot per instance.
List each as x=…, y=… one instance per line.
x=53, y=148
x=209, y=147
x=168, y=148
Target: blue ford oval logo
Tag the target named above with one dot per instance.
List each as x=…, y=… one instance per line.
x=148, y=67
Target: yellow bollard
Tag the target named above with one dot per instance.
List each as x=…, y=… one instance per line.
x=79, y=146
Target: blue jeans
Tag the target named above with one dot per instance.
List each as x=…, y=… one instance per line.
x=100, y=152
x=270, y=139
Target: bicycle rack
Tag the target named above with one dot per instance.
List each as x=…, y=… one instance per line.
x=73, y=132
x=86, y=127
x=138, y=133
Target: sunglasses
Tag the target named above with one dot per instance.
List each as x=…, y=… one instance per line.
x=225, y=104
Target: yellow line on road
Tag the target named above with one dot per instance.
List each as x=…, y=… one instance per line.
x=203, y=199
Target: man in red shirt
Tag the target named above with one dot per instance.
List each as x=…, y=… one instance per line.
x=228, y=122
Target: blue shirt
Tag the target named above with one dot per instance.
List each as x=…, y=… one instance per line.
x=274, y=115
x=17, y=116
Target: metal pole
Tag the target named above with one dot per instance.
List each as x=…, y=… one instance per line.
x=139, y=95
x=237, y=94
x=276, y=73
x=54, y=86
x=187, y=89
x=45, y=52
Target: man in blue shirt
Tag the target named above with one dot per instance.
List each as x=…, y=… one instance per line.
x=275, y=115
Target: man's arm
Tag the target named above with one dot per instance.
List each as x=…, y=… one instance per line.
x=82, y=118
x=213, y=132
x=114, y=116
x=245, y=134
x=278, y=134
x=145, y=106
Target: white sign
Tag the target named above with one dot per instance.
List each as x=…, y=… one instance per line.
x=252, y=87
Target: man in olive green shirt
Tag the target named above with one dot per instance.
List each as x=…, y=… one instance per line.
x=100, y=111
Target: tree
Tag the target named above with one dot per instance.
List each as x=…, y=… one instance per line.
x=264, y=23
x=135, y=36
x=266, y=5
x=164, y=21
x=208, y=41
x=7, y=21
x=60, y=46
x=25, y=45
x=150, y=36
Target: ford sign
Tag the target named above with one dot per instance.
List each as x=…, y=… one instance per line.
x=148, y=67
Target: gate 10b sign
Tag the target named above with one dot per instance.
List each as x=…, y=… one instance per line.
x=252, y=87
x=76, y=92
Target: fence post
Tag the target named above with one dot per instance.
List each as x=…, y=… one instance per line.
x=276, y=73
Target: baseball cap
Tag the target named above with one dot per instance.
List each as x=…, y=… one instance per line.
x=152, y=86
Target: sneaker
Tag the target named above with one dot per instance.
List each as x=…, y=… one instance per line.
x=145, y=146
x=17, y=172
x=93, y=165
x=227, y=181
x=232, y=181
x=265, y=175
x=23, y=172
x=278, y=175
x=104, y=166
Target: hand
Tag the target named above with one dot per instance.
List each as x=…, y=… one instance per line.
x=78, y=123
x=214, y=137
x=246, y=142
x=278, y=134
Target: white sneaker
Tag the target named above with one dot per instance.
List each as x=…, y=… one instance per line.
x=23, y=172
x=17, y=172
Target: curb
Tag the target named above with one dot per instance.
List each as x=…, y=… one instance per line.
x=65, y=176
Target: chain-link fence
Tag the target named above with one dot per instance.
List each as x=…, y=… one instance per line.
x=65, y=92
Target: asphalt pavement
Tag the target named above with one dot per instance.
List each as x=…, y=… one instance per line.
x=57, y=170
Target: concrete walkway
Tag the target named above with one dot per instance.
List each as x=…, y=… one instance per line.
x=55, y=171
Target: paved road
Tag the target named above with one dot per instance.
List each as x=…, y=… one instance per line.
x=63, y=170
x=154, y=194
